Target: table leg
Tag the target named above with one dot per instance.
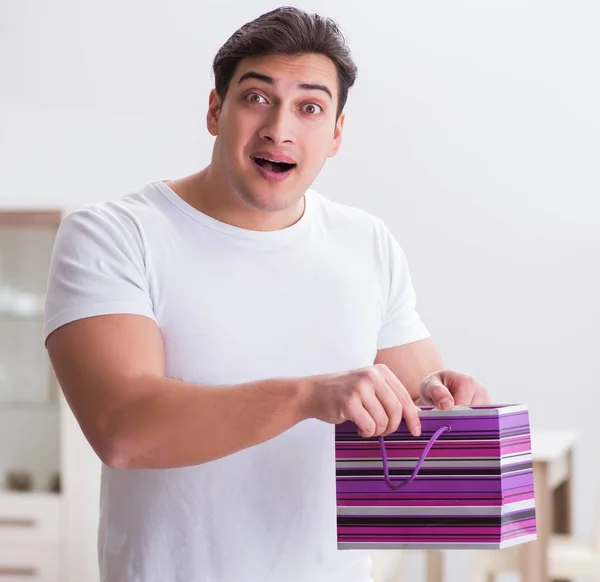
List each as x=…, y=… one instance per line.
x=435, y=566
x=533, y=562
x=562, y=504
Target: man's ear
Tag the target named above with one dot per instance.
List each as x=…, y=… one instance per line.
x=214, y=111
x=337, y=135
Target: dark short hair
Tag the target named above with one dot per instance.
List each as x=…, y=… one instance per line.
x=288, y=31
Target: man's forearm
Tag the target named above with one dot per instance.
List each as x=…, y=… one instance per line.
x=210, y=421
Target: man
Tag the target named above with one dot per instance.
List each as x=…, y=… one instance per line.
x=209, y=332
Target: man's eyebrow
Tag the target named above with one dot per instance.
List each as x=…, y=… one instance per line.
x=257, y=76
x=271, y=81
x=316, y=87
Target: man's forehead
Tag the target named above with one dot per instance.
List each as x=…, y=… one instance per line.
x=299, y=69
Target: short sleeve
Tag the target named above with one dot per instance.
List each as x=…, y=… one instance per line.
x=402, y=323
x=97, y=268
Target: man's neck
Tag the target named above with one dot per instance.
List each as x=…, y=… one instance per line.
x=206, y=192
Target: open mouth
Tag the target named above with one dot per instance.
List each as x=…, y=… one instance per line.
x=273, y=166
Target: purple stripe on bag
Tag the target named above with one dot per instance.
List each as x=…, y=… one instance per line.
x=464, y=500
x=369, y=448
x=376, y=485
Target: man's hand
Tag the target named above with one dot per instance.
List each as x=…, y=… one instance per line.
x=447, y=388
x=372, y=397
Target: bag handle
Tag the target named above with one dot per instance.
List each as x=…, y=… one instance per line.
x=420, y=462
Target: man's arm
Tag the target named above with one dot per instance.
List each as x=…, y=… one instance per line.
x=411, y=363
x=111, y=370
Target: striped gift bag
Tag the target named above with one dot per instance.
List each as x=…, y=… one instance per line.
x=465, y=483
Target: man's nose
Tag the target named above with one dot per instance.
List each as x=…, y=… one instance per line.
x=278, y=127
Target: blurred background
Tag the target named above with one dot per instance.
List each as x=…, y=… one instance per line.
x=473, y=130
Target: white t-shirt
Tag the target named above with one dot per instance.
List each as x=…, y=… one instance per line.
x=233, y=306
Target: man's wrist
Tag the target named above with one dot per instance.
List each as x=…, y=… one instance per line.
x=301, y=392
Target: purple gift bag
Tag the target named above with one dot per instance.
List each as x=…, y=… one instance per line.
x=465, y=483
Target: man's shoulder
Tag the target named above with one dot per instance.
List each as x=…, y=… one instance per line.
x=132, y=211
x=140, y=202
x=346, y=215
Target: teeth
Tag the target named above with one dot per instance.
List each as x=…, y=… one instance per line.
x=275, y=161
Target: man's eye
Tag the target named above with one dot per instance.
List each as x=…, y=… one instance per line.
x=255, y=98
x=312, y=108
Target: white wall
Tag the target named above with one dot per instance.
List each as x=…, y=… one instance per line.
x=473, y=129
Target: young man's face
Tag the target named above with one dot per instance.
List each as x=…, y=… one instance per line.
x=276, y=127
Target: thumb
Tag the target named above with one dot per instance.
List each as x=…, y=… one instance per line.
x=435, y=393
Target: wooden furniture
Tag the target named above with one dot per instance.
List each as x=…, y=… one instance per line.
x=44, y=536
x=30, y=537
x=552, y=453
x=386, y=565
x=568, y=558
x=31, y=521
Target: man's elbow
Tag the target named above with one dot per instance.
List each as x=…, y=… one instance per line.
x=118, y=450
x=113, y=454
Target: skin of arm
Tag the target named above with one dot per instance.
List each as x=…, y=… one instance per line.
x=111, y=371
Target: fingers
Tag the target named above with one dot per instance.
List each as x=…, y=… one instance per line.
x=467, y=390
x=434, y=393
x=376, y=400
x=409, y=409
x=472, y=393
x=393, y=406
x=363, y=420
x=382, y=401
x=446, y=389
x=375, y=403
x=481, y=399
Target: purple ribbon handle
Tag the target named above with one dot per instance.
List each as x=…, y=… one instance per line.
x=426, y=450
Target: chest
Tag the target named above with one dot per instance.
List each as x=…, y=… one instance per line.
x=227, y=318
